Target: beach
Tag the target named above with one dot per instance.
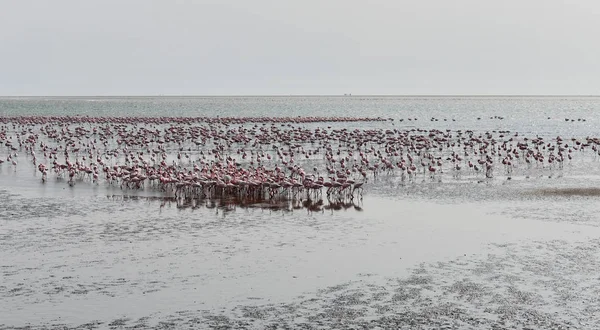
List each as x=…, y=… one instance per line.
x=444, y=246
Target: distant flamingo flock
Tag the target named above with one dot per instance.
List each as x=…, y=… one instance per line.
x=269, y=157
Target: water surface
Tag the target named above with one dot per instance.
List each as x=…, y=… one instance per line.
x=466, y=253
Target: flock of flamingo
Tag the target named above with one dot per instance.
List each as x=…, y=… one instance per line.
x=266, y=158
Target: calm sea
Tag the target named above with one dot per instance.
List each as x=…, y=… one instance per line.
x=449, y=252
x=538, y=115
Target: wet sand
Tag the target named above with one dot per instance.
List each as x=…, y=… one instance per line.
x=433, y=256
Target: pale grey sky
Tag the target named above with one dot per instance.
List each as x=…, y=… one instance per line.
x=226, y=47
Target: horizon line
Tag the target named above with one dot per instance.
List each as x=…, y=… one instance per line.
x=304, y=95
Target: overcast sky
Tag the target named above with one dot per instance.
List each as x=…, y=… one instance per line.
x=225, y=47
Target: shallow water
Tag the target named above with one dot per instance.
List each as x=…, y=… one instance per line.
x=456, y=253
x=131, y=259
x=537, y=115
